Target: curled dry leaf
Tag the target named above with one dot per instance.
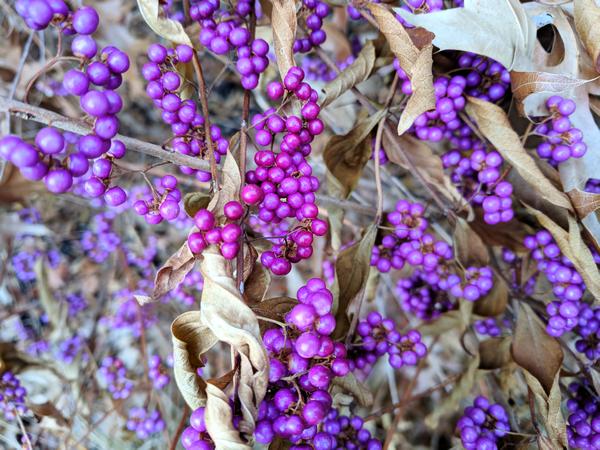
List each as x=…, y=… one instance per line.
x=219, y=421
x=171, y=274
x=573, y=247
x=587, y=18
x=584, y=202
x=257, y=284
x=356, y=73
x=229, y=187
x=524, y=84
x=468, y=246
x=494, y=353
x=234, y=323
x=464, y=387
x=195, y=201
x=498, y=29
x=345, y=156
x=351, y=272
x=415, y=61
x=283, y=19
x=360, y=392
x=548, y=407
x=167, y=28
x=495, y=302
x=494, y=124
x=191, y=339
x=535, y=350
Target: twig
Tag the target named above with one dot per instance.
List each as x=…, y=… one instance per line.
x=180, y=427
x=205, y=113
x=411, y=399
x=61, y=122
x=51, y=63
x=23, y=430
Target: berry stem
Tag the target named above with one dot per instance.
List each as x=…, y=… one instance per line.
x=61, y=122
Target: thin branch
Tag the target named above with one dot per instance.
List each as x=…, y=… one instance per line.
x=61, y=122
x=180, y=427
x=205, y=113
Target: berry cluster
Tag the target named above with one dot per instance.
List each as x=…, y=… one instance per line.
x=188, y=291
x=482, y=425
x=144, y=422
x=226, y=237
x=588, y=332
x=100, y=241
x=419, y=7
x=23, y=263
x=314, y=11
x=409, y=242
x=76, y=303
x=476, y=172
x=561, y=140
x=38, y=14
x=583, y=424
x=195, y=436
x=341, y=432
x=421, y=298
x=70, y=348
x=478, y=281
x=164, y=204
x=303, y=361
x=567, y=284
x=282, y=185
x=114, y=374
x=488, y=327
x=129, y=315
x=12, y=396
x=487, y=79
x=187, y=125
x=593, y=185
x=443, y=120
x=225, y=30
x=157, y=372
x=378, y=336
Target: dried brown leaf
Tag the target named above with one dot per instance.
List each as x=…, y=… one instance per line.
x=494, y=124
x=584, y=202
x=573, y=247
x=230, y=185
x=548, y=407
x=224, y=380
x=352, y=271
x=464, y=387
x=51, y=306
x=361, y=393
x=171, y=274
x=535, y=350
x=167, y=28
x=274, y=309
x=234, y=323
x=219, y=421
x=414, y=155
x=495, y=302
x=450, y=320
x=416, y=62
x=48, y=409
x=345, y=156
x=257, y=284
x=468, y=246
x=191, y=339
x=283, y=20
x=494, y=353
x=526, y=83
x=14, y=187
x=356, y=73
x=195, y=201
x=587, y=18
x=497, y=29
